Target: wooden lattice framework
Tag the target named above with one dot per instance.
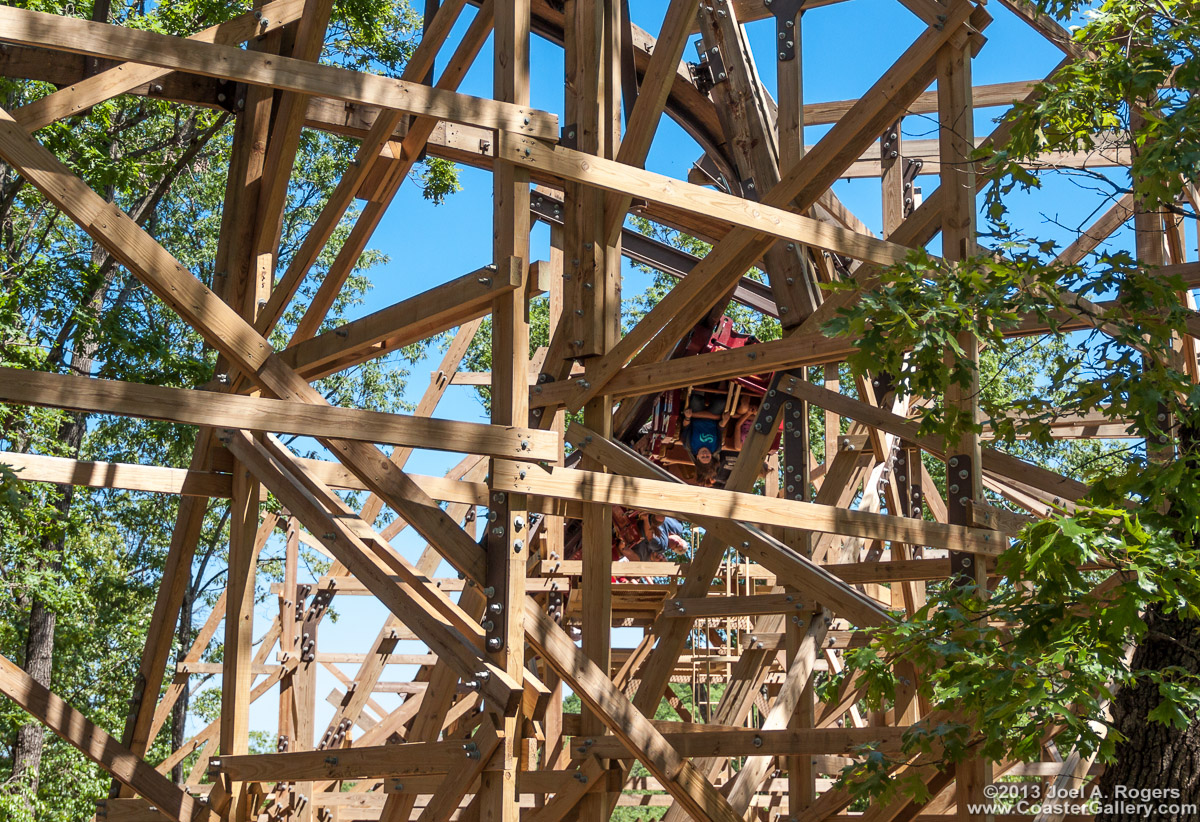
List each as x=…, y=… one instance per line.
x=482, y=727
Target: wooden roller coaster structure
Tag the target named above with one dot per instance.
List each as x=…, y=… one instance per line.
x=775, y=585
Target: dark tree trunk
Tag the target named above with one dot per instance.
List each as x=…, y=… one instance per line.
x=180, y=711
x=39, y=644
x=39, y=659
x=1155, y=756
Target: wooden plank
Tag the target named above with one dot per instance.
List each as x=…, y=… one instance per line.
x=417, y=603
x=730, y=606
x=656, y=333
x=263, y=414
x=237, y=673
x=763, y=218
x=640, y=737
x=712, y=503
x=790, y=352
x=442, y=307
x=377, y=761
x=506, y=547
x=993, y=461
x=79, y=97
x=98, y=746
x=764, y=742
x=789, y=565
x=298, y=76
x=64, y=471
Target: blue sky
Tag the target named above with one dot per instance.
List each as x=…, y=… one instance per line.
x=846, y=47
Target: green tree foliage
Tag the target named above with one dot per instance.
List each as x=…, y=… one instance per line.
x=92, y=559
x=1049, y=646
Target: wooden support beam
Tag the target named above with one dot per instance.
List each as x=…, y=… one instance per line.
x=507, y=546
x=98, y=746
x=993, y=461
x=416, y=602
x=712, y=503
x=90, y=91
x=761, y=742
x=623, y=720
x=677, y=313
x=298, y=76
x=381, y=761
x=788, y=564
x=262, y=414
x=746, y=215
x=443, y=307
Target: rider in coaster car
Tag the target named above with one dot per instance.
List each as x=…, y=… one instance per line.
x=704, y=422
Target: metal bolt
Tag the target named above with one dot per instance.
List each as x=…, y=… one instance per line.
x=495, y=643
x=498, y=531
x=757, y=741
x=488, y=625
x=518, y=545
x=963, y=474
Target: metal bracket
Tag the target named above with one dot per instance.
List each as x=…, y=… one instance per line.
x=889, y=143
x=911, y=169
x=226, y=94
x=711, y=68
x=570, y=136
x=795, y=451
x=785, y=13
x=959, y=482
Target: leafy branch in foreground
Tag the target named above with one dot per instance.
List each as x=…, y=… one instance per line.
x=1061, y=646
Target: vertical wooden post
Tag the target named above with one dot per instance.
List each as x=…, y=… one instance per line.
x=237, y=677
x=956, y=142
x=288, y=613
x=507, y=552
x=304, y=695
x=592, y=303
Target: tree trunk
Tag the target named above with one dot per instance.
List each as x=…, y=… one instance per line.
x=180, y=711
x=39, y=658
x=1155, y=756
x=39, y=645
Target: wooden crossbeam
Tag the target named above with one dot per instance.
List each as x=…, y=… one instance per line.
x=789, y=565
x=712, y=503
x=764, y=217
x=298, y=76
x=90, y=91
x=381, y=761
x=417, y=602
x=800, y=186
x=451, y=304
x=731, y=742
x=994, y=461
x=625, y=722
x=263, y=414
x=97, y=745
